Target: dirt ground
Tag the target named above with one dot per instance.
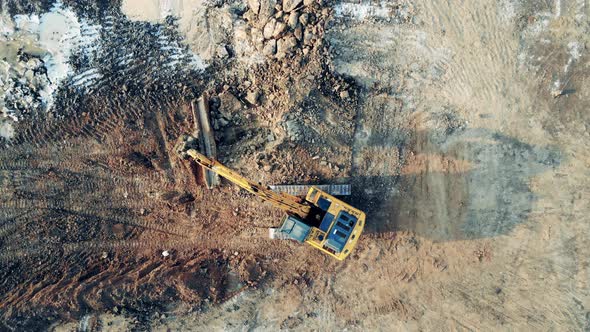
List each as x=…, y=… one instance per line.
x=463, y=128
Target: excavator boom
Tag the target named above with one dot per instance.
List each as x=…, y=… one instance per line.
x=288, y=203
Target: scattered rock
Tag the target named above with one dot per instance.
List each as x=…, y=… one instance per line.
x=298, y=33
x=228, y=105
x=29, y=75
x=286, y=46
x=270, y=47
x=254, y=6
x=308, y=37
x=344, y=94
x=34, y=63
x=257, y=38
x=267, y=9
x=304, y=19
x=293, y=129
x=280, y=27
x=269, y=29
x=293, y=20
x=222, y=52
x=223, y=122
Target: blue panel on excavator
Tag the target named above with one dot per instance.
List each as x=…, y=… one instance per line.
x=324, y=204
x=295, y=229
x=326, y=222
x=340, y=231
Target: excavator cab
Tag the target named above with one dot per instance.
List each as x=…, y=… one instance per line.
x=331, y=226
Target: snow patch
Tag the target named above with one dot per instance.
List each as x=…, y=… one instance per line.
x=60, y=33
x=507, y=10
x=360, y=11
x=574, y=49
x=6, y=130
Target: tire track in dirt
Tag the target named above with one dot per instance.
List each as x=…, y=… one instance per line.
x=482, y=31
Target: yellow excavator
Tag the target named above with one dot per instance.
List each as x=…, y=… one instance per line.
x=321, y=220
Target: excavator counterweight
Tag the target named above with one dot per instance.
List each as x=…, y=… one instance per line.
x=321, y=220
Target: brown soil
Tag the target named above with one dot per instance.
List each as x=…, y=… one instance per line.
x=443, y=118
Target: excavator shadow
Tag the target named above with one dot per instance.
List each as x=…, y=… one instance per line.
x=472, y=184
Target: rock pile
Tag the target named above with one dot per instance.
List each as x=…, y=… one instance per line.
x=278, y=28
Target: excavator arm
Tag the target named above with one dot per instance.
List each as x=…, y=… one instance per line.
x=286, y=202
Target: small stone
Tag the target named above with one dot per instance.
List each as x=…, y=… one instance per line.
x=308, y=37
x=250, y=16
x=289, y=5
x=293, y=20
x=236, y=253
x=280, y=27
x=286, y=45
x=252, y=97
x=222, y=52
x=304, y=18
x=29, y=75
x=165, y=253
x=267, y=168
x=267, y=9
x=223, y=122
x=344, y=94
x=33, y=63
x=323, y=163
x=254, y=6
x=298, y=33
x=104, y=255
x=270, y=47
x=269, y=29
